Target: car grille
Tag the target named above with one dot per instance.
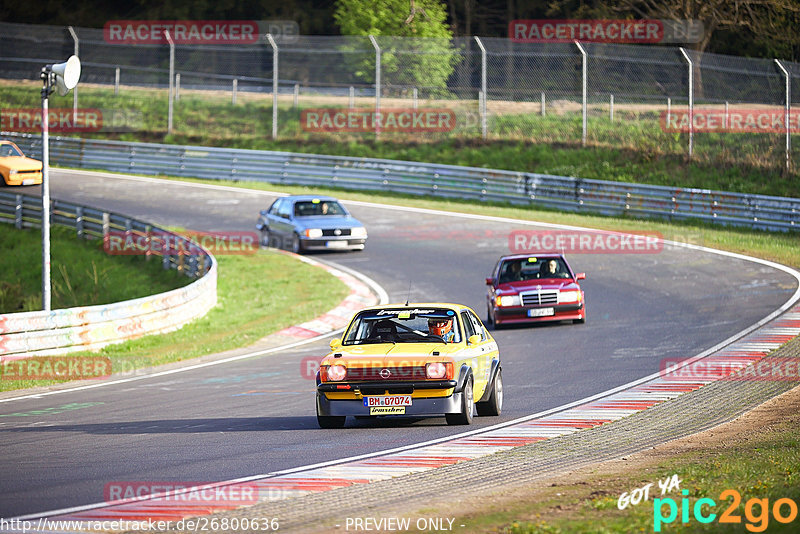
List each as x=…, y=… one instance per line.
x=31, y=171
x=539, y=298
x=395, y=373
x=333, y=233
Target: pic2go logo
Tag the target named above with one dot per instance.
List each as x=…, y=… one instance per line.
x=756, y=511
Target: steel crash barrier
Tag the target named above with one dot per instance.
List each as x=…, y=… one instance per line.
x=41, y=333
x=556, y=192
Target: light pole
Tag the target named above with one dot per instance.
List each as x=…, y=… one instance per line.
x=63, y=77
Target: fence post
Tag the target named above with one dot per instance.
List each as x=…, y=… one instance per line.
x=788, y=109
x=296, y=95
x=415, y=95
x=234, y=88
x=669, y=109
x=352, y=97
x=377, y=84
x=116, y=81
x=18, y=213
x=177, y=86
x=584, y=73
x=171, y=78
x=691, y=100
x=274, y=85
x=543, y=106
x=611, y=108
x=482, y=104
x=75, y=89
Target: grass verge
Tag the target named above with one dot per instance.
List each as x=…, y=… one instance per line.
x=258, y=295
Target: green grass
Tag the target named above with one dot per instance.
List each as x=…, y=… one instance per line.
x=81, y=273
x=257, y=295
x=633, y=148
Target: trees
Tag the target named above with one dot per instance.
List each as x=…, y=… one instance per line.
x=426, y=61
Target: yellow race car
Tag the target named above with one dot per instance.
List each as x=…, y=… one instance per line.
x=17, y=169
x=411, y=360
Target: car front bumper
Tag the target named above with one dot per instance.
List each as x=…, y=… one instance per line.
x=333, y=243
x=428, y=407
x=520, y=314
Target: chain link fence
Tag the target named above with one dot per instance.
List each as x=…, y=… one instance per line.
x=658, y=100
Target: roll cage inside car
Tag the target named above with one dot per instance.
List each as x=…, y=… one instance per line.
x=399, y=326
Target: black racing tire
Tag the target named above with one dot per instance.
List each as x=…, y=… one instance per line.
x=464, y=417
x=489, y=319
x=494, y=404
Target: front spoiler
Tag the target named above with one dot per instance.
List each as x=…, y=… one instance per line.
x=434, y=406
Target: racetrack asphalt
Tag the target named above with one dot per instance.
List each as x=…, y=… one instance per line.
x=257, y=415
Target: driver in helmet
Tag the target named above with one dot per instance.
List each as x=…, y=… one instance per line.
x=442, y=327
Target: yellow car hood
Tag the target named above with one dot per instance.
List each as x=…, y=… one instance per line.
x=21, y=163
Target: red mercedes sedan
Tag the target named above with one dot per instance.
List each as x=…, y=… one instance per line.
x=528, y=288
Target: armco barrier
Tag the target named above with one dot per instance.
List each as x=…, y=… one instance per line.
x=39, y=333
x=559, y=192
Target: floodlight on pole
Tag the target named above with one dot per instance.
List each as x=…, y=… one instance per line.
x=61, y=77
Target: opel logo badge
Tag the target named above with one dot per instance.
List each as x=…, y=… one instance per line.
x=337, y=232
x=385, y=373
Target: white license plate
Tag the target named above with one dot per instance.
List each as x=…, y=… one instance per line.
x=541, y=312
x=28, y=181
x=387, y=400
x=336, y=244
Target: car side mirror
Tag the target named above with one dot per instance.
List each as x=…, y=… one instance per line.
x=580, y=276
x=336, y=343
x=263, y=212
x=474, y=339
x=490, y=281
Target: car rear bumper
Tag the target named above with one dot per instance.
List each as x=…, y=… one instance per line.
x=428, y=407
x=520, y=314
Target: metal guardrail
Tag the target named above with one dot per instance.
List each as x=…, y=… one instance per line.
x=428, y=179
x=92, y=327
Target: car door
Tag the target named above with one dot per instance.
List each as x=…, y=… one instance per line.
x=282, y=220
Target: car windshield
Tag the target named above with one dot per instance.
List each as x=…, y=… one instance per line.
x=533, y=268
x=7, y=150
x=404, y=326
x=318, y=208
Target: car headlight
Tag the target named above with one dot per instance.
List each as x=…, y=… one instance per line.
x=12, y=171
x=507, y=300
x=439, y=370
x=313, y=233
x=569, y=296
x=358, y=231
x=336, y=373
